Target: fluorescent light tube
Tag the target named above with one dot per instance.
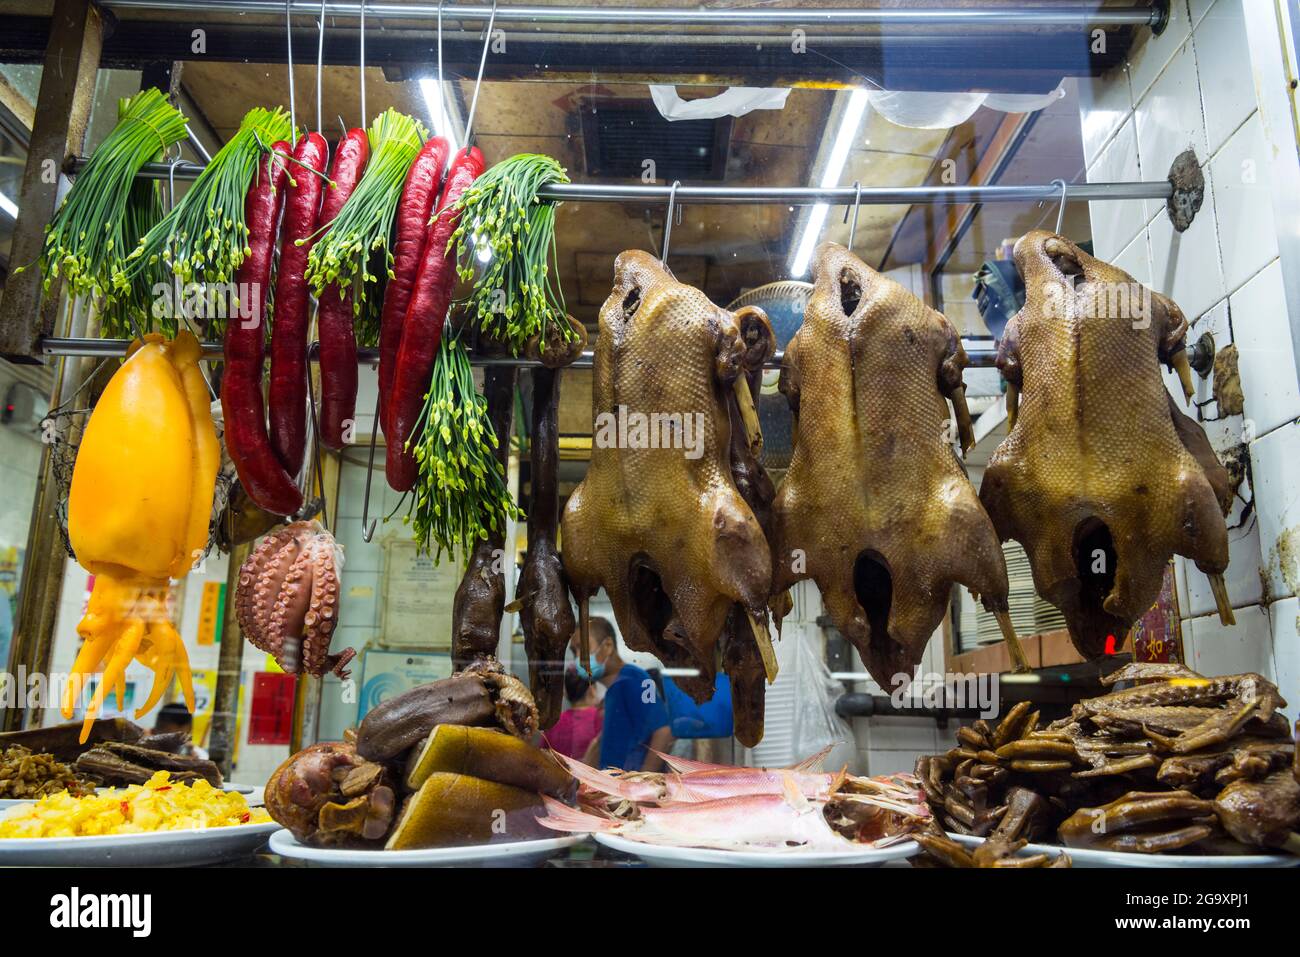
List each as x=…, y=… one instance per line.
x=850, y=121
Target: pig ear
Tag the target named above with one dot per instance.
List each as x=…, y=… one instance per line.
x=756, y=337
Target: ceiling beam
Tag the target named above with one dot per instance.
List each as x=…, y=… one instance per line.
x=1001, y=61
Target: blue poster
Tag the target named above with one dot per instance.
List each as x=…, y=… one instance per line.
x=385, y=674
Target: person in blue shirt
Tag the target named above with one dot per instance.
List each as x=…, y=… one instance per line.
x=711, y=719
x=636, y=719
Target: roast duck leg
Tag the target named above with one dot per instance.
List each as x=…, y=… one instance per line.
x=876, y=507
x=1101, y=478
x=545, y=613
x=659, y=522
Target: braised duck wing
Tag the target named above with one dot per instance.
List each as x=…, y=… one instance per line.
x=545, y=613
x=1101, y=478
x=875, y=507
x=658, y=520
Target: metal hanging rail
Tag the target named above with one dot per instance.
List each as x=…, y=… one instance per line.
x=212, y=351
x=791, y=195
x=732, y=18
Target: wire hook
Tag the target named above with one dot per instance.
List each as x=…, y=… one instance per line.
x=320, y=63
x=442, y=93
x=288, y=36
x=363, y=64
x=668, y=221
x=320, y=471
x=478, y=82
x=369, y=524
x=1060, y=213
x=857, y=203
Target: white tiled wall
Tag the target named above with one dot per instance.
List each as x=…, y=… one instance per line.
x=1193, y=87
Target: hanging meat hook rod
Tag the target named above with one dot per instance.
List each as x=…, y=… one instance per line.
x=733, y=19
x=792, y=195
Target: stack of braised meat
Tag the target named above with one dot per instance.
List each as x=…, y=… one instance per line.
x=1176, y=762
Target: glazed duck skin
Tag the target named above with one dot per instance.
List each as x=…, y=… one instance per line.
x=665, y=530
x=1101, y=478
x=875, y=507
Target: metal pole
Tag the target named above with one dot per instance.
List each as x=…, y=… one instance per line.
x=736, y=18
x=980, y=353
x=797, y=195
x=225, y=703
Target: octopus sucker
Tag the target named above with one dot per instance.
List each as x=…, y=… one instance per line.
x=287, y=599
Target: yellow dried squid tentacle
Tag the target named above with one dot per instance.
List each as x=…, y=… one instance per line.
x=100, y=637
x=160, y=658
x=123, y=652
x=178, y=661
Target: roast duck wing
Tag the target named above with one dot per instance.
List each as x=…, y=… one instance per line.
x=545, y=613
x=1101, y=478
x=876, y=508
x=658, y=521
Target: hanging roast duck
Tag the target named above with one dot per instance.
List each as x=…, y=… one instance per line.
x=658, y=522
x=1101, y=478
x=875, y=507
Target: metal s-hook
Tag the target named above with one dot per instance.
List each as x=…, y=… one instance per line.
x=362, y=32
x=1060, y=213
x=478, y=82
x=369, y=524
x=668, y=221
x=857, y=203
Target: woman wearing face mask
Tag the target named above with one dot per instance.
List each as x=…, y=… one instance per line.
x=635, y=720
x=580, y=724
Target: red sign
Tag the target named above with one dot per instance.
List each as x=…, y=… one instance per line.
x=271, y=711
x=1156, y=635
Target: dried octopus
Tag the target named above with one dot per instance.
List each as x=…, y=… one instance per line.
x=287, y=600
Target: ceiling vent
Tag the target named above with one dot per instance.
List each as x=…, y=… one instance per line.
x=620, y=135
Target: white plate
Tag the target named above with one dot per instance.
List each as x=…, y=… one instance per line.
x=154, y=849
x=514, y=854
x=658, y=855
x=1085, y=857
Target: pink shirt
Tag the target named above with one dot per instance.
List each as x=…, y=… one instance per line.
x=574, y=731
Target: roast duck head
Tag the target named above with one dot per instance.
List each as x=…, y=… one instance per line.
x=658, y=521
x=875, y=507
x=1101, y=478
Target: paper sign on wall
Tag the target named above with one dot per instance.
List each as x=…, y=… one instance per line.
x=212, y=610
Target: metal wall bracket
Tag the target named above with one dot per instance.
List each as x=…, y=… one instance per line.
x=1161, y=11
x=1189, y=190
